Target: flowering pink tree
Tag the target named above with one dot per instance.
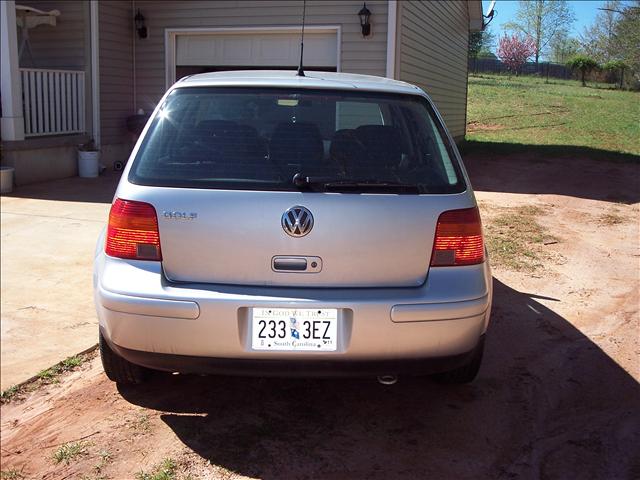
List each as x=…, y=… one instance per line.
x=514, y=51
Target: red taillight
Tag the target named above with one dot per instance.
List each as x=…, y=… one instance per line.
x=458, y=239
x=133, y=231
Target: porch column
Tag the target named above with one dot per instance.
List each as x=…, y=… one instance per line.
x=95, y=71
x=12, y=126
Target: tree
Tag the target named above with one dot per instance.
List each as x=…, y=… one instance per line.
x=542, y=20
x=627, y=38
x=598, y=39
x=480, y=42
x=563, y=47
x=514, y=51
x=583, y=63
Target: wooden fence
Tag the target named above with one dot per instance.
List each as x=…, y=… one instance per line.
x=543, y=69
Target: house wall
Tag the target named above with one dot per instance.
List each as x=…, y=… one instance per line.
x=63, y=46
x=115, y=39
x=67, y=46
x=432, y=53
x=358, y=54
x=43, y=158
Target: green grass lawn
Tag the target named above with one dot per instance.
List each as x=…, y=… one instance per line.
x=518, y=111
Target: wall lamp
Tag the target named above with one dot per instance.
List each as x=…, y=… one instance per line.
x=364, y=15
x=140, y=25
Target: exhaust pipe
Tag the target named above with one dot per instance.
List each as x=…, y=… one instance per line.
x=387, y=379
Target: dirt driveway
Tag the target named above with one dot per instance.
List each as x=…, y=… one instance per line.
x=557, y=396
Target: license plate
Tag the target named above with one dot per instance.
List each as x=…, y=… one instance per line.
x=294, y=329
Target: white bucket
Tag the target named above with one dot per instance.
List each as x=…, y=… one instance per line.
x=88, y=164
x=6, y=179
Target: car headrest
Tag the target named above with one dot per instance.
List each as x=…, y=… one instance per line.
x=296, y=143
x=346, y=149
x=383, y=143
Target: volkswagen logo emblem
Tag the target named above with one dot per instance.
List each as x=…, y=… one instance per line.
x=297, y=221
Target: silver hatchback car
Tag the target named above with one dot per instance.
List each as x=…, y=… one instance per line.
x=271, y=224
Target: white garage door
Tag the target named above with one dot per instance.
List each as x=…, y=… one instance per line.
x=257, y=49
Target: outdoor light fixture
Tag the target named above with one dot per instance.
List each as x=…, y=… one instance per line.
x=364, y=15
x=140, y=26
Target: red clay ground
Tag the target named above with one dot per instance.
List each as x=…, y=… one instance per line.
x=557, y=396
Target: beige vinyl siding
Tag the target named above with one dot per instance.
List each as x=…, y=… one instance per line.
x=432, y=53
x=63, y=46
x=358, y=54
x=116, y=70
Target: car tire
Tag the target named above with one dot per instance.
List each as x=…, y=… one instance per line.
x=118, y=369
x=466, y=373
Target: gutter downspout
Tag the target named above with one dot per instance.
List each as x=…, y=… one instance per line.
x=95, y=72
x=392, y=14
x=133, y=49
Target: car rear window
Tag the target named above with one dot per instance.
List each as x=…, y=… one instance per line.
x=258, y=139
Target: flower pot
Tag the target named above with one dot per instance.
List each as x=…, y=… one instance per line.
x=88, y=164
x=6, y=179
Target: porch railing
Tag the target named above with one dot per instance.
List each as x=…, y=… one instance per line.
x=53, y=101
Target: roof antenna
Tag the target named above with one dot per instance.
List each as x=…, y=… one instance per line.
x=300, y=68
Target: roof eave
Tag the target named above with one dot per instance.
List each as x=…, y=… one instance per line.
x=475, y=15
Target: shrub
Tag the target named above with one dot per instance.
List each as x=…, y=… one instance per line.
x=615, y=67
x=584, y=64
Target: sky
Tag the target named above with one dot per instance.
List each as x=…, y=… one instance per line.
x=585, y=12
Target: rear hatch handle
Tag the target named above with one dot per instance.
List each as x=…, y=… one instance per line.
x=293, y=264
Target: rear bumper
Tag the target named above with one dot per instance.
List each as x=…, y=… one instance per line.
x=206, y=328
x=290, y=368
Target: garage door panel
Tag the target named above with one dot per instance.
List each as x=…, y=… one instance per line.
x=259, y=49
x=275, y=51
x=194, y=48
x=318, y=53
x=232, y=49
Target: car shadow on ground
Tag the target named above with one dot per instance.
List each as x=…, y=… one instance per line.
x=579, y=172
x=548, y=403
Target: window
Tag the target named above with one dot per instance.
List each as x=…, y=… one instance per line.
x=258, y=139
